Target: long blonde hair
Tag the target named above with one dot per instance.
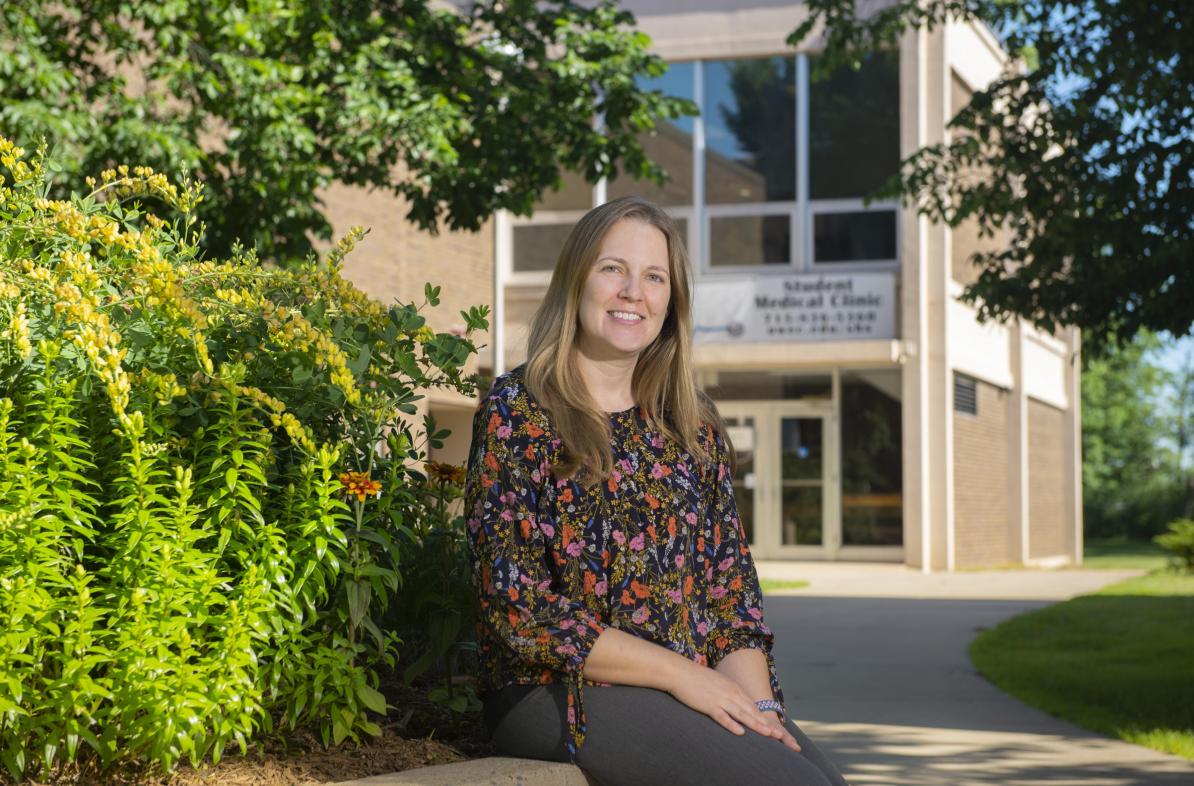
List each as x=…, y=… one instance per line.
x=663, y=383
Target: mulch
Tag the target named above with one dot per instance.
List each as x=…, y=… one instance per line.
x=421, y=734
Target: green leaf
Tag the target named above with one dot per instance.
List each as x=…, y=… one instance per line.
x=371, y=698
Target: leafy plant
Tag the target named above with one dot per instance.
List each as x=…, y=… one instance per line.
x=1180, y=540
x=186, y=559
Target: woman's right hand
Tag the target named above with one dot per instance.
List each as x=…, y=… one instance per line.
x=716, y=695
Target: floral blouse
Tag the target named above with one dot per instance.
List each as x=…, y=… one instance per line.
x=657, y=550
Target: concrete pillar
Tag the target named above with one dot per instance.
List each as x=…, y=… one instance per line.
x=927, y=399
x=1017, y=450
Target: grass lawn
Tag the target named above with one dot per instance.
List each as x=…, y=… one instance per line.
x=770, y=585
x=1108, y=554
x=1119, y=662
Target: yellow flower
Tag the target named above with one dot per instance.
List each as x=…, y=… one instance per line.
x=18, y=331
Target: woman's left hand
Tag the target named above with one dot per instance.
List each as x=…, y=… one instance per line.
x=786, y=736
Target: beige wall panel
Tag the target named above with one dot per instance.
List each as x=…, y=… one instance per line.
x=1047, y=519
x=981, y=480
x=455, y=449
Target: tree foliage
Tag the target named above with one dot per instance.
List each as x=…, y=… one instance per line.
x=460, y=111
x=1087, y=142
x=1131, y=484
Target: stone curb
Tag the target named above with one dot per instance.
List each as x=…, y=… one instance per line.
x=491, y=771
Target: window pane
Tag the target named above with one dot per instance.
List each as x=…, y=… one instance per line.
x=536, y=247
x=854, y=128
x=853, y=237
x=750, y=130
x=575, y=194
x=872, y=468
x=801, y=444
x=744, y=453
x=801, y=516
x=749, y=240
x=669, y=146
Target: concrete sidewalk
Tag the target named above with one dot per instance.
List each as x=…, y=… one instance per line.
x=874, y=662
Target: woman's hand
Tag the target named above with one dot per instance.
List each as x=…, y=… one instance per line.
x=716, y=695
x=785, y=736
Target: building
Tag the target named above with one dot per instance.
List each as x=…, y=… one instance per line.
x=874, y=417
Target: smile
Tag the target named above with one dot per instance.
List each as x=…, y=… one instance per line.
x=626, y=316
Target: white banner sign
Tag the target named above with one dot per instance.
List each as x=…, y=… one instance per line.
x=818, y=307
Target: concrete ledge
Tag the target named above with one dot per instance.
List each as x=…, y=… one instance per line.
x=492, y=771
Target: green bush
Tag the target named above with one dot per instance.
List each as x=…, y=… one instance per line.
x=207, y=473
x=1179, y=540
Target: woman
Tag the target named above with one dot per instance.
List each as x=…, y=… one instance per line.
x=620, y=624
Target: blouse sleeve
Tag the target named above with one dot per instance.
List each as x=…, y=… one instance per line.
x=508, y=547
x=735, y=598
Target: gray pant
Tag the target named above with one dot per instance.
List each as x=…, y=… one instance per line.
x=643, y=737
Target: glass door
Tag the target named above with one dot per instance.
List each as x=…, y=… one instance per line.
x=785, y=486
x=741, y=429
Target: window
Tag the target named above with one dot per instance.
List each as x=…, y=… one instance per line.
x=965, y=394
x=669, y=145
x=537, y=246
x=854, y=129
x=750, y=240
x=770, y=176
x=854, y=236
x=750, y=130
x=872, y=459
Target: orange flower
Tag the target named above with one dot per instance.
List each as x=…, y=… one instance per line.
x=445, y=473
x=360, y=485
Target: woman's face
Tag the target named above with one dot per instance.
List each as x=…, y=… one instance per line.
x=626, y=294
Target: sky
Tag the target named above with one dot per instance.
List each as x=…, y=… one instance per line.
x=1175, y=350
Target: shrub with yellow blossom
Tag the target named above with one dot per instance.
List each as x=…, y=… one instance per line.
x=197, y=541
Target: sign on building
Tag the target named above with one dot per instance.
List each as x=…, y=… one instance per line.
x=819, y=307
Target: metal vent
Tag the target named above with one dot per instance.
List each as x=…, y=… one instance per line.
x=965, y=394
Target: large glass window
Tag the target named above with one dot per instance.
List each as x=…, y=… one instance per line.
x=669, y=145
x=750, y=130
x=747, y=198
x=854, y=128
x=872, y=459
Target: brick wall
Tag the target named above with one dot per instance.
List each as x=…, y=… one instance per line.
x=981, y=481
x=1046, y=480
x=395, y=260
x=964, y=238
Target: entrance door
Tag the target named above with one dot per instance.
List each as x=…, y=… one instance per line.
x=786, y=487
